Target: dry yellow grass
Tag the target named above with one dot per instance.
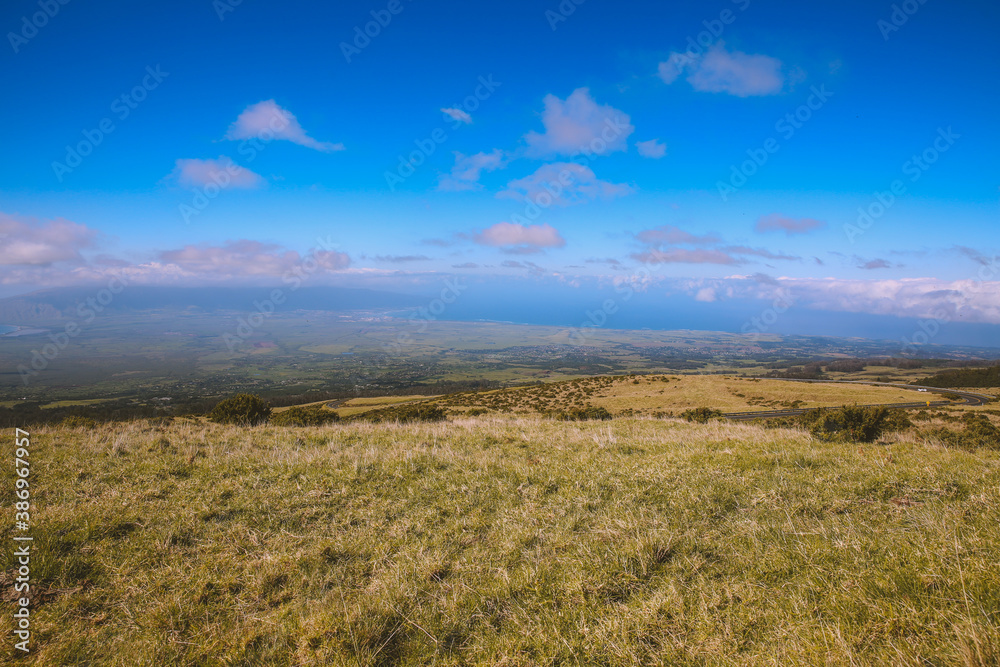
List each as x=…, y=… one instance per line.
x=651, y=394
x=515, y=541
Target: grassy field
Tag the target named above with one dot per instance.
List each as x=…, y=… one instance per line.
x=514, y=541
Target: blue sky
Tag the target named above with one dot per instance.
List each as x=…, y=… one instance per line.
x=644, y=111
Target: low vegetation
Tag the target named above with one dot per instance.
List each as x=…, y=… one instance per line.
x=499, y=540
x=857, y=424
x=583, y=414
x=701, y=415
x=979, y=432
x=242, y=410
x=406, y=413
x=304, y=416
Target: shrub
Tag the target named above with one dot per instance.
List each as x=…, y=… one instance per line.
x=417, y=412
x=242, y=409
x=897, y=420
x=583, y=414
x=701, y=415
x=979, y=432
x=299, y=416
x=858, y=424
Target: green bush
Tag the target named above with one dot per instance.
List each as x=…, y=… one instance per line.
x=583, y=414
x=416, y=412
x=979, y=432
x=854, y=423
x=701, y=415
x=299, y=416
x=242, y=409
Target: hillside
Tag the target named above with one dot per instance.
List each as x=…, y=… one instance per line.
x=655, y=395
x=517, y=541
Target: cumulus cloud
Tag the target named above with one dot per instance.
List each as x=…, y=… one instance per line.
x=33, y=242
x=776, y=222
x=223, y=172
x=458, y=114
x=468, y=168
x=722, y=71
x=266, y=120
x=563, y=184
x=653, y=148
x=520, y=239
x=577, y=125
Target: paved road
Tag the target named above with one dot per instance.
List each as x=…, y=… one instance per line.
x=968, y=398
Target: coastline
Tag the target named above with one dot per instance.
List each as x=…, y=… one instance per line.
x=20, y=331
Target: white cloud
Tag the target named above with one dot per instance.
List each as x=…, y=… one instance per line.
x=957, y=301
x=577, y=125
x=722, y=71
x=563, y=184
x=458, y=114
x=266, y=121
x=32, y=242
x=653, y=148
x=468, y=168
x=223, y=172
x=705, y=295
x=516, y=235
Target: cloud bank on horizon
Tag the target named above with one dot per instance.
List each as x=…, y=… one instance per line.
x=686, y=148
